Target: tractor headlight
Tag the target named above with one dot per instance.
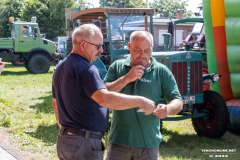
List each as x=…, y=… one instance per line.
x=215, y=77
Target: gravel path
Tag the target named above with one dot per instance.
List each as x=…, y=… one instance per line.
x=9, y=149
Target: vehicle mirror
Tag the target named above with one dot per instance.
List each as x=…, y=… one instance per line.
x=35, y=32
x=43, y=35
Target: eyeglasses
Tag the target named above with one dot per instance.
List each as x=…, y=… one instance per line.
x=98, y=46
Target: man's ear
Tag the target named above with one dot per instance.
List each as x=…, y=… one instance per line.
x=129, y=45
x=82, y=45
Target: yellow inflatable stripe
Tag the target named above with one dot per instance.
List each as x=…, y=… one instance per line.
x=218, y=13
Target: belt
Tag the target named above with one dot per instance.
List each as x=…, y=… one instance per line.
x=80, y=132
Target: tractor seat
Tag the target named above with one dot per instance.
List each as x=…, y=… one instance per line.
x=200, y=42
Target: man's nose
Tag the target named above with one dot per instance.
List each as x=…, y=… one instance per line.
x=141, y=53
x=101, y=49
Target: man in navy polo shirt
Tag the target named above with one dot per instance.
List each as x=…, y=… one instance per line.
x=79, y=94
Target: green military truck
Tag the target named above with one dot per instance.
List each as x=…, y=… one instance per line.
x=27, y=46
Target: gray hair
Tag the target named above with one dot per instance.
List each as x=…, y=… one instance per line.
x=137, y=34
x=85, y=32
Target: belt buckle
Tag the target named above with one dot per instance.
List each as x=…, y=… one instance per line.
x=70, y=133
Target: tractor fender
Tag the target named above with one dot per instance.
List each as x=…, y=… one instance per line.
x=101, y=67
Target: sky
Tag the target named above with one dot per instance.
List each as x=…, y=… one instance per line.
x=192, y=4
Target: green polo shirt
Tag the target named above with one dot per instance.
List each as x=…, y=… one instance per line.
x=127, y=125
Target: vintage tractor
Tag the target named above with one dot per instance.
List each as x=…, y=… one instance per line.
x=193, y=41
x=207, y=109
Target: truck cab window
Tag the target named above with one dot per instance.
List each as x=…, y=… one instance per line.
x=26, y=31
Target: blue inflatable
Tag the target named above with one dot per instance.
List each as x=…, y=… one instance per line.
x=234, y=114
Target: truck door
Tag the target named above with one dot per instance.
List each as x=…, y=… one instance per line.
x=28, y=39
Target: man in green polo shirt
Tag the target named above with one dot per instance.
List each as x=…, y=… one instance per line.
x=134, y=135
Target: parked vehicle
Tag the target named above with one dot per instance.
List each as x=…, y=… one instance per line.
x=194, y=41
x=61, y=44
x=27, y=46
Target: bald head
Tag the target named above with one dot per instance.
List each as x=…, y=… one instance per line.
x=141, y=34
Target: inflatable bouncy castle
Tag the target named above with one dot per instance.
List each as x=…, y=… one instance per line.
x=222, y=28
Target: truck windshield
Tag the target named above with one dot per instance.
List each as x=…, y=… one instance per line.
x=122, y=26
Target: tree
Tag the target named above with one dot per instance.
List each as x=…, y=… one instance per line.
x=2, y=6
x=9, y=9
x=125, y=3
x=169, y=8
x=50, y=15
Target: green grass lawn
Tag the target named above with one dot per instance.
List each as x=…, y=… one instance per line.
x=26, y=113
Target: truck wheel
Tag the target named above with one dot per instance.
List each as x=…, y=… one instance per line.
x=38, y=63
x=215, y=124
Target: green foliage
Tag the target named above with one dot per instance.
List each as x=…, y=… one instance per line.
x=9, y=8
x=50, y=15
x=125, y=3
x=169, y=8
x=5, y=120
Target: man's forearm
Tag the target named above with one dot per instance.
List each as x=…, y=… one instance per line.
x=134, y=74
x=174, y=107
x=117, y=85
x=55, y=109
x=118, y=101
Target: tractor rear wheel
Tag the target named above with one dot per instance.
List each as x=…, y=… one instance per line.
x=38, y=63
x=215, y=124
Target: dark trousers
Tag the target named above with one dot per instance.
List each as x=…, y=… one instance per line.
x=73, y=146
x=119, y=152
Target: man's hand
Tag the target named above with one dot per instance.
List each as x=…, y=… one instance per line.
x=161, y=111
x=148, y=106
x=135, y=73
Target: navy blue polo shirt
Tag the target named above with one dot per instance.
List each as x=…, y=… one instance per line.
x=74, y=82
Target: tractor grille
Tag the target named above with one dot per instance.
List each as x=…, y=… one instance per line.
x=196, y=77
x=188, y=76
x=179, y=70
